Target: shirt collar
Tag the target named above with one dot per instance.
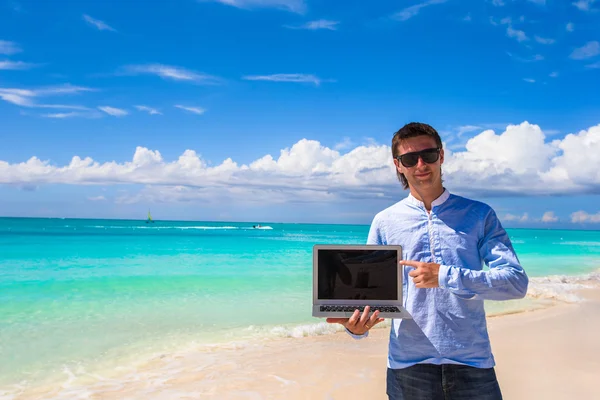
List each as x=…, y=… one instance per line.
x=439, y=201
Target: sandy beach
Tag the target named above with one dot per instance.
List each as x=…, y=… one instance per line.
x=552, y=353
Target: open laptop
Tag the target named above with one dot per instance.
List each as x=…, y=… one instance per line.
x=350, y=277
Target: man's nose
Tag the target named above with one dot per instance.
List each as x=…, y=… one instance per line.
x=420, y=162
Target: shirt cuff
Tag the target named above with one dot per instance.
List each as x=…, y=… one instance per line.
x=357, y=337
x=443, y=273
x=444, y=279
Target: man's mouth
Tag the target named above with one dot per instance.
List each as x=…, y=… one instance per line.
x=423, y=175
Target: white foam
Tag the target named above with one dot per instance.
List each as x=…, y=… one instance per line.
x=580, y=243
x=561, y=287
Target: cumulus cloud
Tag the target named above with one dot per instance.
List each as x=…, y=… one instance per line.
x=584, y=5
x=549, y=217
x=518, y=160
x=516, y=218
x=589, y=50
x=584, y=217
x=516, y=34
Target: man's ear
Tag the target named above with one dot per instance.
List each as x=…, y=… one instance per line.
x=398, y=166
x=441, y=156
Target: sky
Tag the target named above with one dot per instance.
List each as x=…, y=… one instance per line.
x=284, y=110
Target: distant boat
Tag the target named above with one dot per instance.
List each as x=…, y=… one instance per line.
x=149, y=220
x=259, y=226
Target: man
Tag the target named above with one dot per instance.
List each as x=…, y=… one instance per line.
x=444, y=352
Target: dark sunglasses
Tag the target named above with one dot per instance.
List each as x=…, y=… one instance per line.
x=428, y=155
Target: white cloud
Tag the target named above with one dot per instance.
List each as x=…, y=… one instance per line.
x=61, y=115
x=296, y=78
x=594, y=65
x=194, y=110
x=115, y=112
x=516, y=34
x=553, y=74
x=538, y=2
x=549, y=217
x=9, y=48
x=518, y=161
x=534, y=58
x=584, y=5
x=589, y=50
x=411, y=11
x=570, y=27
x=26, y=97
x=315, y=25
x=498, y=3
x=461, y=130
x=346, y=143
x=100, y=25
x=583, y=217
x=172, y=73
x=529, y=80
x=15, y=65
x=516, y=218
x=149, y=110
x=296, y=6
x=543, y=40
x=97, y=198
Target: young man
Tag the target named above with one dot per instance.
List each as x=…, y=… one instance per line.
x=444, y=352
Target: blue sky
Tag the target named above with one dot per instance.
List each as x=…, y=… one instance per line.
x=283, y=110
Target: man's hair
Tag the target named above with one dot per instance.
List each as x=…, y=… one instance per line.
x=410, y=130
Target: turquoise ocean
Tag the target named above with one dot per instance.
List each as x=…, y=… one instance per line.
x=82, y=295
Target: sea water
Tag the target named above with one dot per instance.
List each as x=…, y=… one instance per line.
x=98, y=295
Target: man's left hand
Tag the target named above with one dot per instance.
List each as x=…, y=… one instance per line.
x=425, y=275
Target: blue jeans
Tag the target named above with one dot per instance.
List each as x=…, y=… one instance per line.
x=443, y=382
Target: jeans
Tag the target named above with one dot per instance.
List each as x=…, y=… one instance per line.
x=443, y=382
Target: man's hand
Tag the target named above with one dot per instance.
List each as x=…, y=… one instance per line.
x=425, y=275
x=358, y=324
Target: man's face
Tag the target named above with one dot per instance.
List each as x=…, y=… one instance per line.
x=422, y=175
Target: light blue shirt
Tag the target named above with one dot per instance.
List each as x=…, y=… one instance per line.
x=449, y=324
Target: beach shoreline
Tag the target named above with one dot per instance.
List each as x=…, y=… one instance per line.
x=532, y=348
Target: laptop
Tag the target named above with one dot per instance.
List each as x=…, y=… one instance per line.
x=350, y=277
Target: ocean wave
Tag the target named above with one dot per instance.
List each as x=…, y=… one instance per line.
x=579, y=243
x=199, y=227
x=562, y=287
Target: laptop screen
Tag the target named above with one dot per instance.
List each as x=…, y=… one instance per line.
x=357, y=274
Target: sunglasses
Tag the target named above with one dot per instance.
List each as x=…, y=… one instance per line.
x=411, y=159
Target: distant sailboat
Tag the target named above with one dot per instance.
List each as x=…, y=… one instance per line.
x=149, y=220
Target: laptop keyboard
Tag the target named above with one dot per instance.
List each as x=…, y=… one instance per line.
x=360, y=308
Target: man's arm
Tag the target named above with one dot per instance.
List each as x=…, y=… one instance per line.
x=505, y=280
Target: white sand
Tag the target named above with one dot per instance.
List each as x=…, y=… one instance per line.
x=545, y=354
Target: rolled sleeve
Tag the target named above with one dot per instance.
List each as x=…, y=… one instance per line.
x=357, y=337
